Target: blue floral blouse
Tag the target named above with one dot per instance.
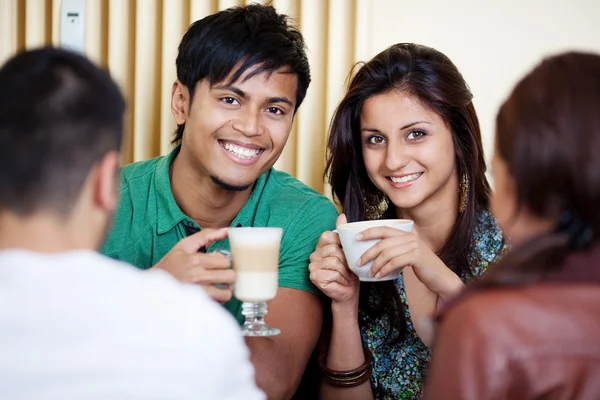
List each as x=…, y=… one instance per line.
x=400, y=369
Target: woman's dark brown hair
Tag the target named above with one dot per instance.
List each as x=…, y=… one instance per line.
x=548, y=134
x=432, y=79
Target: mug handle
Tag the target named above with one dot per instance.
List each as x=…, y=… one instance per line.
x=227, y=254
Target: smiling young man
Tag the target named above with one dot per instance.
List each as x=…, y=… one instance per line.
x=242, y=74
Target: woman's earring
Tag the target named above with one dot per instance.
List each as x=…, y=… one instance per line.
x=463, y=193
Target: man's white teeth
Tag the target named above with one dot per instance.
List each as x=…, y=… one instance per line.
x=406, y=178
x=241, y=151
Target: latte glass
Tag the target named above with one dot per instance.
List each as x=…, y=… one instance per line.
x=255, y=257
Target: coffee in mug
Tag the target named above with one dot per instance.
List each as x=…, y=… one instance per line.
x=353, y=249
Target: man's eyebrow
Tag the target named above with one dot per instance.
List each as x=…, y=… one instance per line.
x=244, y=95
x=281, y=100
x=233, y=89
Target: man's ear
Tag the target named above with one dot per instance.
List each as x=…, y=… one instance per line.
x=180, y=102
x=107, y=181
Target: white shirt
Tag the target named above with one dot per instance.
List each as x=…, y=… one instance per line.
x=79, y=326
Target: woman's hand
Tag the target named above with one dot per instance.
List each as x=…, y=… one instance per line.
x=398, y=250
x=329, y=269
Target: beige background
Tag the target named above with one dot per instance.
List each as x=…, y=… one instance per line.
x=138, y=39
x=492, y=42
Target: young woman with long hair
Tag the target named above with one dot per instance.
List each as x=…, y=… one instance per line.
x=404, y=143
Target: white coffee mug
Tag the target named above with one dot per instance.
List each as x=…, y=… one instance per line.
x=353, y=249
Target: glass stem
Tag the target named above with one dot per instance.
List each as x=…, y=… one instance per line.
x=255, y=313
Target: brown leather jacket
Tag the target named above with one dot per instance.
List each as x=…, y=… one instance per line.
x=537, y=342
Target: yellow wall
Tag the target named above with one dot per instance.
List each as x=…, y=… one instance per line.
x=493, y=43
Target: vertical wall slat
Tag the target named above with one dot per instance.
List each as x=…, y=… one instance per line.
x=9, y=28
x=223, y=4
x=287, y=160
x=311, y=116
x=146, y=119
x=341, y=27
x=362, y=29
x=94, y=30
x=340, y=37
x=201, y=8
x=174, y=25
x=21, y=24
x=121, y=53
x=56, y=7
x=35, y=23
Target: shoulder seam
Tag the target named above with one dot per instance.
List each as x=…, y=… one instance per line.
x=303, y=208
x=310, y=192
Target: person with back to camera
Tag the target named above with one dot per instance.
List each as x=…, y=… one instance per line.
x=73, y=323
x=531, y=328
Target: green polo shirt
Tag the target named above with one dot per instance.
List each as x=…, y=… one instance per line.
x=148, y=222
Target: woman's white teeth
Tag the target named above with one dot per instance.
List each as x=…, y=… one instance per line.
x=241, y=151
x=405, y=178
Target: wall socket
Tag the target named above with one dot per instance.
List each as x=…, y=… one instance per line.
x=72, y=25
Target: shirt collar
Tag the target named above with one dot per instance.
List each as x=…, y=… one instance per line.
x=245, y=217
x=168, y=213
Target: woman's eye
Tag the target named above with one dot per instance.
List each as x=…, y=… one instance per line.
x=375, y=139
x=415, y=135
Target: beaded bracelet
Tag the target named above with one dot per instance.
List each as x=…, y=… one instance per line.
x=350, y=378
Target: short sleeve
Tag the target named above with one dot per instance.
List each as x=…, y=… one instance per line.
x=299, y=241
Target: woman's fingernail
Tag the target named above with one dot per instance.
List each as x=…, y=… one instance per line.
x=359, y=236
x=358, y=263
x=378, y=275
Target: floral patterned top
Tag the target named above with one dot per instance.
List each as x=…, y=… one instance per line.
x=400, y=369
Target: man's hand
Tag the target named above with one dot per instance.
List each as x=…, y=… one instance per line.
x=186, y=264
